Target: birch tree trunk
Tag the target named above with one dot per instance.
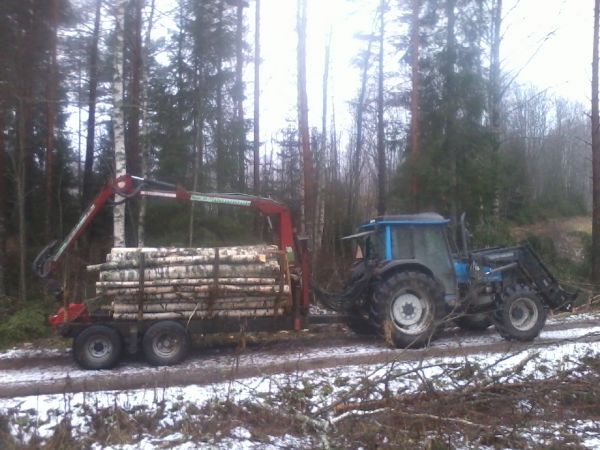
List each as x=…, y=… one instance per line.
x=595, y=152
x=118, y=123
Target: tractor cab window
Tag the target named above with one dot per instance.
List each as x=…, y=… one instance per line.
x=431, y=248
x=376, y=245
x=402, y=242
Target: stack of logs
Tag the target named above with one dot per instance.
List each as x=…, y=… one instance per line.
x=185, y=283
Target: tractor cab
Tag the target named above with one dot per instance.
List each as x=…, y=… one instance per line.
x=417, y=242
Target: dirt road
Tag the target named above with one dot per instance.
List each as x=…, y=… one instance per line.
x=55, y=373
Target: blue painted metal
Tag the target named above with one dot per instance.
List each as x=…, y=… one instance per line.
x=388, y=243
x=462, y=271
x=405, y=222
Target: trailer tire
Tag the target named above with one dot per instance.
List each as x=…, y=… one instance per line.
x=474, y=321
x=407, y=309
x=520, y=314
x=97, y=347
x=165, y=343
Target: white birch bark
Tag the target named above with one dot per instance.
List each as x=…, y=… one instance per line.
x=202, y=314
x=118, y=123
x=185, y=282
x=201, y=271
x=245, y=290
x=132, y=253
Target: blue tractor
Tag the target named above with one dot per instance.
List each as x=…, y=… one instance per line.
x=410, y=280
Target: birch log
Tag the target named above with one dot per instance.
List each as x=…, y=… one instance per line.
x=199, y=271
x=221, y=288
x=131, y=253
x=181, y=260
x=186, y=315
x=184, y=282
x=218, y=306
x=197, y=299
x=178, y=283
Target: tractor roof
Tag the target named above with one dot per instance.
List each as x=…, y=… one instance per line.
x=427, y=218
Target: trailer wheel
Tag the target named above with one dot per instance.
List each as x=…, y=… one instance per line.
x=474, y=321
x=407, y=309
x=165, y=343
x=97, y=347
x=520, y=314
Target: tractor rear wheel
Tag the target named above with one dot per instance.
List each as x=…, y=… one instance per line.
x=165, y=343
x=97, y=347
x=407, y=309
x=520, y=314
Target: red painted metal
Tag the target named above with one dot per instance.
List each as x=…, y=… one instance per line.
x=75, y=311
x=126, y=185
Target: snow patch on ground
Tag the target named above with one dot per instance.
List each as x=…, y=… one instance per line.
x=325, y=385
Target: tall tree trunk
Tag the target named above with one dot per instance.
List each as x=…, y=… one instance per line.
x=450, y=113
x=133, y=149
x=595, y=152
x=414, y=104
x=303, y=131
x=495, y=92
x=381, y=166
x=20, y=174
x=239, y=96
x=356, y=158
x=322, y=166
x=91, y=121
x=118, y=123
x=50, y=116
x=3, y=186
x=144, y=137
x=256, y=146
x=219, y=138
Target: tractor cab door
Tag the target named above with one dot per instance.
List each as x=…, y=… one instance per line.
x=432, y=249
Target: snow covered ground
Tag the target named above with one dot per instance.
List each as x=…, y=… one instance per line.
x=40, y=418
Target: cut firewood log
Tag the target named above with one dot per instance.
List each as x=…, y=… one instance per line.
x=200, y=271
x=185, y=282
x=182, y=261
x=188, y=297
x=125, y=253
x=186, y=315
x=217, y=289
x=216, y=306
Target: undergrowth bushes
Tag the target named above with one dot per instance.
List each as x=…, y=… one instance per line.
x=23, y=322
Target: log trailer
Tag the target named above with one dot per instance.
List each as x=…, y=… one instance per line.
x=100, y=339
x=410, y=282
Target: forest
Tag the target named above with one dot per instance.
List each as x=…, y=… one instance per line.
x=91, y=89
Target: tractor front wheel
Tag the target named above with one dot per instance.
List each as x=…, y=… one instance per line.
x=407, y=309
x=520, y=314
